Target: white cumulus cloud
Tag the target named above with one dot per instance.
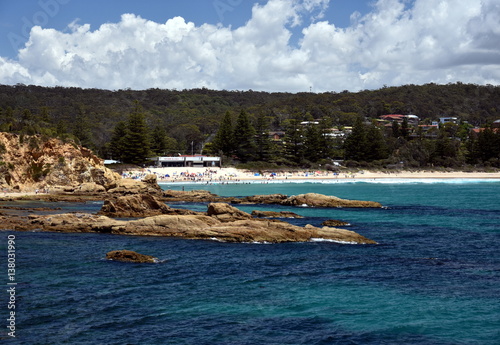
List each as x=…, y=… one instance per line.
x=398, y=42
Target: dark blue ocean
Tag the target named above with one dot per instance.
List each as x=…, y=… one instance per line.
x=434, y=277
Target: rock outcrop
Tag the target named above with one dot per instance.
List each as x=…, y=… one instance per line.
x=309, y=199
x=320, y=200
x=216, y=226
x=89, y=188
x=273, y=214
x=31, y=162
x=138, y=206
x=265, y=199
x=193, y=196
x=130, y=256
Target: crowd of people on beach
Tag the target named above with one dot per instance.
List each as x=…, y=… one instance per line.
x=208, y=176
x=221, y=176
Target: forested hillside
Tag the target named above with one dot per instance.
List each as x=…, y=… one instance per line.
x=185, y=121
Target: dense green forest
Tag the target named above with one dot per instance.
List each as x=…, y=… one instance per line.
x=236, y=123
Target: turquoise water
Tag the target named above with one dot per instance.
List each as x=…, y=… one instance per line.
x=434, y=277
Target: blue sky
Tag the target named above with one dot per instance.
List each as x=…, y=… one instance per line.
x=17, y=17
x=270, y=45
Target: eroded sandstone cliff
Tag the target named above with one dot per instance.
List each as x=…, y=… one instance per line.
x=31, y=162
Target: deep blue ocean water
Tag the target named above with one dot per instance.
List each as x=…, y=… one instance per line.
x=434, y=277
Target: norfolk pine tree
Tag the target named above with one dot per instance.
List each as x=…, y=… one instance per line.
x=137, y=138
x=224, y=140
x=244, y=138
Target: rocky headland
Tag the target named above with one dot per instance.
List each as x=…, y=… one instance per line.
x=36, y=162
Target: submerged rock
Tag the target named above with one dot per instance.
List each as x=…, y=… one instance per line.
x=334, y=222
x=130, y=256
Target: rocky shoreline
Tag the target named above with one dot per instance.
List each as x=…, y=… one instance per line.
x=221, y=221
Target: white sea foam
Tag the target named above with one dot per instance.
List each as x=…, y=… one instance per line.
x=253, y=242
x=332, y=241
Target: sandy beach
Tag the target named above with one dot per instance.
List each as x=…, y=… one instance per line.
x=232, y=175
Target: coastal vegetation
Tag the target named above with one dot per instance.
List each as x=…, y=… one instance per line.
x=263, y=129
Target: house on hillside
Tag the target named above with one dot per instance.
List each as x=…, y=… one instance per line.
x=339, y=133
x=476, y=131
x=412, y=119
x=276, y=136
x=443, y=120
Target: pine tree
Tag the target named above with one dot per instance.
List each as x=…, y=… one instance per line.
x=224, y=139
x=356, y=144
x=158, y=140
x=405, y=130
x=262, y=138
x=488, y=146
x=312, y=145
x=326, y=141
x=136, y=138
x=244, y=138
x=376, y=147
x=117, y=142
x=294, y=141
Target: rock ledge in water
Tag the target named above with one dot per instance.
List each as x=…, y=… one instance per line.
x=333, y=223
x=130, y=256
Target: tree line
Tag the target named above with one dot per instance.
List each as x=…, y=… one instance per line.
x=190, y=121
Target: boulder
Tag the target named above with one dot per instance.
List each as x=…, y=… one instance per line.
x=90, y=188
x=135, y=205
x=272, y=214
x=334, y=223
x=226, y=213
x=152, y=182
x=130, y=256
